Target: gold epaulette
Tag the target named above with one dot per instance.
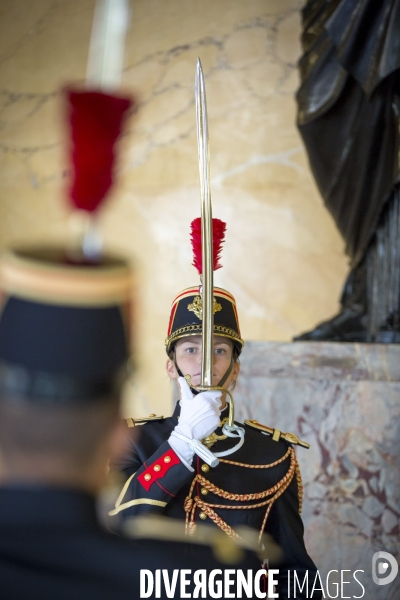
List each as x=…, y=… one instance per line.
x=276, y=434
x=143, y=420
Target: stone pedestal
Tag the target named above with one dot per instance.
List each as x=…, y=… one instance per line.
x=344, y=399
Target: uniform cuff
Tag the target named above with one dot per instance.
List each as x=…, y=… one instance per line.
x=183, y=451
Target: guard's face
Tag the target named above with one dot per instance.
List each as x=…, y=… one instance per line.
x=188, y=353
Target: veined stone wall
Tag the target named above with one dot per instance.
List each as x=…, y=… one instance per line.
x=343, y=399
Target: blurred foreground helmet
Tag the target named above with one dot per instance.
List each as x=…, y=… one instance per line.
x=63, y=326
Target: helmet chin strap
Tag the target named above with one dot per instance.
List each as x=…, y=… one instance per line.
x=219, y=384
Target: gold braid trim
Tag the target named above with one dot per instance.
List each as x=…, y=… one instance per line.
x=191, y=503
x=240, y=497
x=205, y=507
x=193, y=329
x=299, y=487
x=248, y=466
x=284, y=486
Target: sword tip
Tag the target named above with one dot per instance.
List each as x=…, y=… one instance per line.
x=199, y=76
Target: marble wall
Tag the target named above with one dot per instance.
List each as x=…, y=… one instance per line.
x=343, y=399
x=283, y=258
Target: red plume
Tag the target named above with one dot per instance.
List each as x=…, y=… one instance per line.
x=219, y=228
x=95, y=120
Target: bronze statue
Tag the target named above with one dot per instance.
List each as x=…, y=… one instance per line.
x=348, y=116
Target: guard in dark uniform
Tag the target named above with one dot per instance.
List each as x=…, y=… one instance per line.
x=199, y=465
x=257, y=481
x=63, y=355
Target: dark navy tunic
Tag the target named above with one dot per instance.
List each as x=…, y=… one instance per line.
x=158, y=482
x=53, y=548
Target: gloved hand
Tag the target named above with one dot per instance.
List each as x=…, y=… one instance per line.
x=200, y=416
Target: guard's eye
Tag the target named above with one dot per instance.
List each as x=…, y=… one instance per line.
x=191, y=350
x=219, y=350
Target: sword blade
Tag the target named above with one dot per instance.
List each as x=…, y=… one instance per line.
x=206, y=229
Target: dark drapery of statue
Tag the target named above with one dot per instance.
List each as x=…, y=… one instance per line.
x=349, y=117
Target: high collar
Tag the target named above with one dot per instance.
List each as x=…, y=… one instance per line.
x=36, y=505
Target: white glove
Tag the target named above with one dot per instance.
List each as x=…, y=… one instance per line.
x=200, y=416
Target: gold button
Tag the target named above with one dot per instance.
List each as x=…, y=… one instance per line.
x=203, y=516
x=152, y=415
x=204, y=491
x=157, y=468
x=147, y=477
x=205, y=468
x=167, y=459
